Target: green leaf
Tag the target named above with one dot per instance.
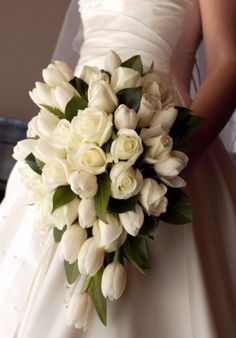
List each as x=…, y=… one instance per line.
x=72, y=271
x=149, y=226
x=151, y=68
x=57, y=234
x=75, y=104
x=135, y=250
x=40, y=164
x=99, y=300
x=120, y=206
x=32, y=162
x=82, y=88
x=62, y=196
x=135, y=62
x=131, y=97
x=54, y=111
x=194, y=121
x=179, y=209
x=102, y=196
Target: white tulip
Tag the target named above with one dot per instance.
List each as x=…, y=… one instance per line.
x=79, y=310
x=152, y=197
x=45, y=152
x=125, y=117
x=83, y=184
x=113, y=281
x=42, y=219
x=56, y=173
x=57, y=73
x=92, y=125
x=23, y=148
x=71, y=242
x=42, y=125
x=154, y=85
x=127, y=146
x=158, y=148
x=91, y=257
x=66, y=214
x=112, y=61
x=148, y=105
x=41, y=94
x=165, y=118
x=88, y=157
x=102, y=97
x=109, y=231
x=61, y=95
x=170, y=167
x=125, y=181
x=125, y=78
x=92, y=74
x=87, y=212
x=132, y=221
x=61, y=135
x=147, y=133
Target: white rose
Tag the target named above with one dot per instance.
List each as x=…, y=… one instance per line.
x=91, y=257
x=66, y=214
x=125, y=181
x=113, y=281
x=152, y=197
x=42, y=125
x=92, y=125
x=61, y=95
x=45, y=152
x=159, y=148
x=23, y=148
x=41, y=94
x=125, y=117
x=127, y=146
x=102, y=97
x=83, y=184
x=92, y=74
x=87, y=212
x=132, y=221
x=79, y=310
x=88, y=157
x=169, y=168
x=165, y=118
x=112, y=61
x=125, y=78
x=148, y=105
x=71, y=242
x=61, y=135
x=57, y=73
x=55, y=173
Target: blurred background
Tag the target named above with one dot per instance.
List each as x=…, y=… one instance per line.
x=28, y=35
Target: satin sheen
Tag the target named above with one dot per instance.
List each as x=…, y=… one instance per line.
x=190, y=291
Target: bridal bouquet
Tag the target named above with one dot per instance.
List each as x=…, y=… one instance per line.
x=102, y=162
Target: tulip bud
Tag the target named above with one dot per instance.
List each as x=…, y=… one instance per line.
x=57, y=73
x=91, y=257
x=41, y=94
x=109, y=231
x=113, y=280
x=61, y=95
x=83, y=184
x=159, y=148
x=102, y=97
x=71, y=242
x=132, y=221
x=148, y=105
x=125, y=118
x=112, y=61
x=23, y=149
x=87, y=212
x=164, y=118
x=172, y=165
x=124, y=77
x=80, y=310
x=92, y=74
x=42, y=125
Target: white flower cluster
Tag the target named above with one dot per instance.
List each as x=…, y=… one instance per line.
x=105, y=137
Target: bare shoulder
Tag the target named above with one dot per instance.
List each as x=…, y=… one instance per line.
x=219, y=30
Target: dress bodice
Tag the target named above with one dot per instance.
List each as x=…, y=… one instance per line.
x=164, y=31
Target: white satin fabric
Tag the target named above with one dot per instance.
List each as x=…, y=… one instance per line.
x=190, y=291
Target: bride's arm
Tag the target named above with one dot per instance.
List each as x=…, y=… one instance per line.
x=216, y=98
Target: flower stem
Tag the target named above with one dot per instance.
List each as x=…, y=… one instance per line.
x=117, y=256
x=86, y=283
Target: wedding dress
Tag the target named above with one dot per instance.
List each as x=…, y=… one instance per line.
x=190, y=290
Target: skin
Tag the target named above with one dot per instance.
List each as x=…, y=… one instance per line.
x=216, y=97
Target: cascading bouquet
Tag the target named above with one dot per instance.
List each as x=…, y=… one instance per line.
x=102, y=163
